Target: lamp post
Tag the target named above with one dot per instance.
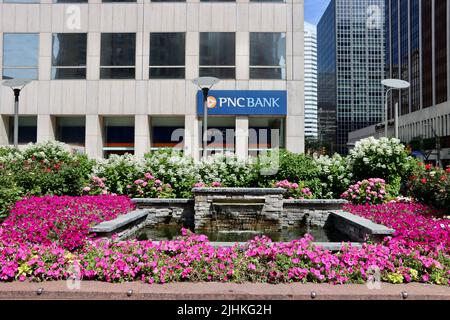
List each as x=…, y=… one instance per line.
x=392, y=84
x=16, y=85
x=205, y=84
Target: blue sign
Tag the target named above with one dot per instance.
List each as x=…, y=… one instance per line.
x=244, y=102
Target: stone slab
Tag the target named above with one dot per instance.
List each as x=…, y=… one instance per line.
x=120, y=222
x=373, y=228
x=148, y=201
x=246, y=191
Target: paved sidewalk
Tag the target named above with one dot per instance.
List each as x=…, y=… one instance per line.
x=218, y=291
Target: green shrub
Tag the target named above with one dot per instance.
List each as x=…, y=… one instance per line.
x=10, y=193
x=118, y=172
x=335, y=175
x=226, y=169
x=382, y=158
x=173, y=167
x=47, y=168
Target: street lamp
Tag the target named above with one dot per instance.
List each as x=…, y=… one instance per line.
x=16, y=85
x=205, y=84
x=393, y=84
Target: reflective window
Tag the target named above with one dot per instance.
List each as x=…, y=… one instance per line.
x=267, y=1
x=264, y=134
x=27, y=129
x=217, y=54
x=69, y=56
x=118, y=135
x=20, y=55
x=167, y=55
x=118, y=56
x=21, y=1
x=167, y=132
x=107, y=1
x=71, y=130
x=217, y=0
x=168, y=0
x=70, y=1
x=267, y=55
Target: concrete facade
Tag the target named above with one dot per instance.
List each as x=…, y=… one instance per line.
x=142, y=97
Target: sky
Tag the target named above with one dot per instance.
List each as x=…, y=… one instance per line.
x=314, y=10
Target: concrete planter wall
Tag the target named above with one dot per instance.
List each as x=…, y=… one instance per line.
x=243, y=209
x=237, y=208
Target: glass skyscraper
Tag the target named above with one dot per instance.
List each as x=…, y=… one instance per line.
x=310, y=80
x=350, y=37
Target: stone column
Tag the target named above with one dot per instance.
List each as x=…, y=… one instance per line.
x=45, y=127
x=141, y=134
x=242, y=137
x=94, y=136
x=191, y=136
x=4, y=125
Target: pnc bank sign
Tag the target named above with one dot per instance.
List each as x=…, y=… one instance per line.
x=244, y=102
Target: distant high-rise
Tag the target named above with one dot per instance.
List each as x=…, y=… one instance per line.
x=310, y=80
x=350, y=44
x=418, y=51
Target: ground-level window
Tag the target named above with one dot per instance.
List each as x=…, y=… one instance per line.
x=27, y=129
x=71, y=130
x=265, y=134
x=221, y=135
x=167, y=132
x=118, y=135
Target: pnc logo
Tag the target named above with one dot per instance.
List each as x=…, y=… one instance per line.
x=212, y=102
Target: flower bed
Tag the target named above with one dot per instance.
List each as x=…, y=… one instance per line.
x=62, y=220
x=414, y=224
x=38, y=239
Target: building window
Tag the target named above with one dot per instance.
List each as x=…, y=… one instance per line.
x=118, y=56
x=168, y=0
x=267, y=55
x=217, y=54
x=221, y=135
x=267, y=1
x=109, y=1
x=217, y=0
x=71, y=130
x=70, y=1
x=20, y=55
x=265, y=134
x=118, y=135
x=27, y=129
x=21, y=1
x=167, y=55
x=167, y=132
x=69, y=56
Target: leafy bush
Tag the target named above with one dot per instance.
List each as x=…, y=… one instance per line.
x=294, y=190
x=226, y=169
x=149, y=187
x=173, y=167
x=335, y=174
x=9, y=194
x=117, y=172
x=383, y=158
x=370, y=191
x=431, y=185
x=42, y=169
